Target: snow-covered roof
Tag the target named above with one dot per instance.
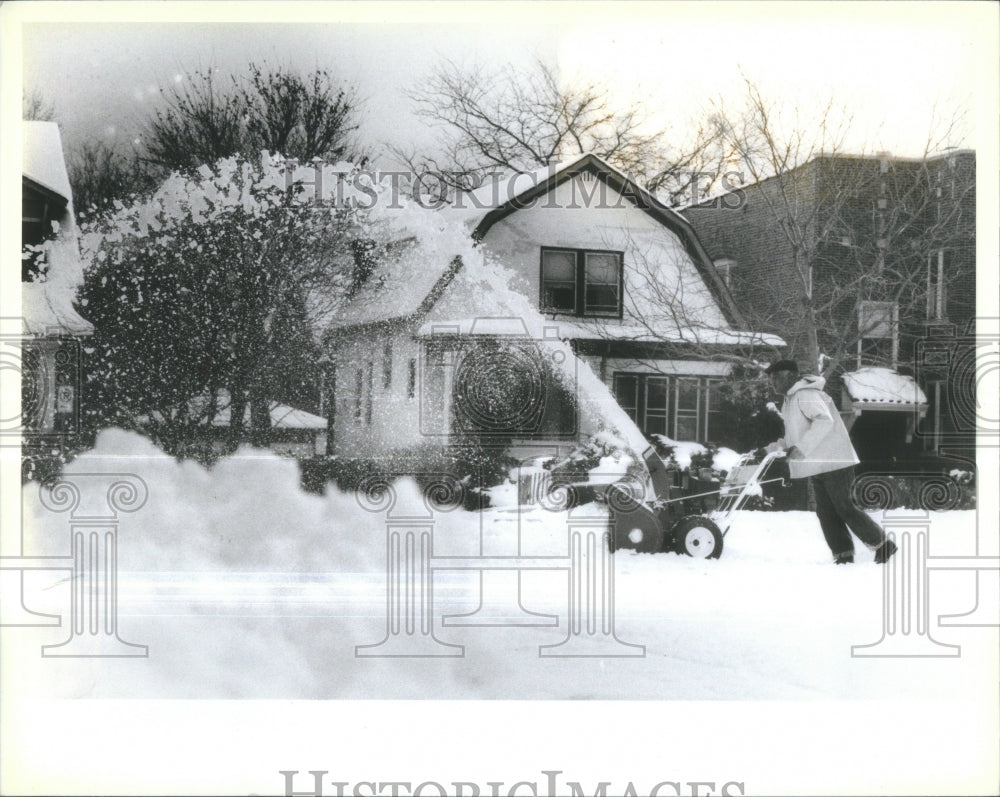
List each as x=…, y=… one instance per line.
x=47, y=309
x=47, y=305
x=707, y=336
x=399, y=287
x=882, y=386
x=282, y=417
x=43, y=159
x=582, y=330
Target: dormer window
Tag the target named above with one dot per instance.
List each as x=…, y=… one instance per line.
x=582, y=282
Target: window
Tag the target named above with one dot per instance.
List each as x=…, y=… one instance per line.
x=601, y=284
x=725, y=266
x=411, y=378
x=878, y=341
x=387, y=365
x=656, y=405
x=363, y=382
x=580, y=282
x=937, y=268
x=626, y=393
x=677, y=407
x=368, y=393
x=559, y=281
x=359, y=389
x=686, y=425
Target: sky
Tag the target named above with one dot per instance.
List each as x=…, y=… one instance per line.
x=890, y=65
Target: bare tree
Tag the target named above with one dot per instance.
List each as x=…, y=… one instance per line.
x=208, y=119
x=838, y=244
x=301, y=118
x=518, y=120
x=35, y=108
x=99, y=175
x=202, y=122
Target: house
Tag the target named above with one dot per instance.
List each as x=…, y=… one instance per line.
x=51, y=272
x=430, y=348
x=880, y=253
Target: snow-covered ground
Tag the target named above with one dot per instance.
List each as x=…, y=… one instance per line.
x=243, y=586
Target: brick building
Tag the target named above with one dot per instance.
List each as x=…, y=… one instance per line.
x=866, y=267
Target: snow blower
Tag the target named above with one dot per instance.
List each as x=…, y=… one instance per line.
x=661, y=525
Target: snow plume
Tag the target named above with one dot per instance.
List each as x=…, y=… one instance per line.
x=406, y=234
x=256, y=188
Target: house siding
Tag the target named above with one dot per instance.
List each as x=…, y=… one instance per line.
x=379, y=419
x=662, y=263
x=587, y=214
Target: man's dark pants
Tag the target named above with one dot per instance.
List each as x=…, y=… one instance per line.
x=837, y=512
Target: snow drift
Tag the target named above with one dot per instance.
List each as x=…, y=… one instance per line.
x=244, y=586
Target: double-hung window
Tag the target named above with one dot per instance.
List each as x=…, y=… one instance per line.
x=937, y=271
x=878, y=333
x=582, y=282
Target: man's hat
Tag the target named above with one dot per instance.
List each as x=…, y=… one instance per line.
x=782, y=365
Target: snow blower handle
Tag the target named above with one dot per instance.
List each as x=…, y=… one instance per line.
x=773, y=448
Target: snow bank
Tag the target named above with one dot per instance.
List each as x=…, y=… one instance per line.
x=236, y=515
x=243, y=586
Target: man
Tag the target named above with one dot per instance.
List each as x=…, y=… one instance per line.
x=817, y=447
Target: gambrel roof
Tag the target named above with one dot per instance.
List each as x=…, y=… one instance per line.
x=409, y=284
x=518, y=193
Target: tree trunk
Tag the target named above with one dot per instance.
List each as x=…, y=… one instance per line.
x=237, y=409
x=260, y=420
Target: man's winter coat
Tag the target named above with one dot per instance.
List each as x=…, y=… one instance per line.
x=814, y=427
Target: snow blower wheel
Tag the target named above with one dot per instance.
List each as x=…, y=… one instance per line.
x=697, y=536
